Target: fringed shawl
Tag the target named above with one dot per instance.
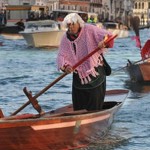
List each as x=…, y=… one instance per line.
x=86, y=42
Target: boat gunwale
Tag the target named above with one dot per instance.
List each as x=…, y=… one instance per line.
x=56, y=119
x=14, y=122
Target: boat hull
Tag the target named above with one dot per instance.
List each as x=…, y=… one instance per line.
x=11, y=32
x=10, y=29
x=139, y=72
x=49, y=138
x=58, y=131
x=116, y=29
x=43, y=39
x=122, y=33
x=12, y=36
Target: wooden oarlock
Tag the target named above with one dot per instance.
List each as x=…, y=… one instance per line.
x=33, y=101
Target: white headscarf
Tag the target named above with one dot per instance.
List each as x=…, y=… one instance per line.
x=73, y=18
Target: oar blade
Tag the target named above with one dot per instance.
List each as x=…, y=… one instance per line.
x=145, y=51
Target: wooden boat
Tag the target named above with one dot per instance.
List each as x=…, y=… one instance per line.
x=137, y=87
x=139, y=72
x=59, y=129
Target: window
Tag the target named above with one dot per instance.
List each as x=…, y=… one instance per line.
x=139, y=5
x=142, y=5
x=135, y=6
x=148, y=5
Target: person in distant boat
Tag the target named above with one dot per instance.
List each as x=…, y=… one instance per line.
x=91, y=19
x=89, y=78
x=20, y=24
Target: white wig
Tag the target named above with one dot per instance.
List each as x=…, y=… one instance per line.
x=73, y=18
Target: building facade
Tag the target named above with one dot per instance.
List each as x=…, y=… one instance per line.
x=106, y=9
x=142, y=10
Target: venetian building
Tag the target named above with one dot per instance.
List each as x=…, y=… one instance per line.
x=142, y=10
x=107, y=10
x=52, y=5
x=110, y=10
x=20, y=9
x=81, y=5
x=3, y=4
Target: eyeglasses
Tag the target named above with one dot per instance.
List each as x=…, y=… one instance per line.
x=69, y=24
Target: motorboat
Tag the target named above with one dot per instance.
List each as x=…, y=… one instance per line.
x=116, y=28
x=43, y=33
x=59, y=14
x=48, y=33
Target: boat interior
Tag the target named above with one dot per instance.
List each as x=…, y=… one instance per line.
x=63, y=111
x=112, y=99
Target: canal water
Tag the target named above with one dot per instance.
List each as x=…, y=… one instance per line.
x=35, y=68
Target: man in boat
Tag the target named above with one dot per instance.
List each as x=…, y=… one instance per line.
x=89, y=78
x=20, y=24
x=91, y=19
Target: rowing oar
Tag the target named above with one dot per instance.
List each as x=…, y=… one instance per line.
x=135, y=22
x=28, y=94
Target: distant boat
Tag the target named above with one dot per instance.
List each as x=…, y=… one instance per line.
x=48, y=33
x=59, y=129
x=11, y=32
x=60, y=14
x=115, y=28
x=42, y=33
x=139, y=72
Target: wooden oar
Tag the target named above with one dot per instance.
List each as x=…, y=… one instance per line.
x=135, y=22
x=64, y=74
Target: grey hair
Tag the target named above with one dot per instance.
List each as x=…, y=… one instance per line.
x=73, y=18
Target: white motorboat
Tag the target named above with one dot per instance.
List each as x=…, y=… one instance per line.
x=121, y=30
x=43, y=33
x=48, y=33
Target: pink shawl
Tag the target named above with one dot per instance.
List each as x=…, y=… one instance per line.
x=86, y=42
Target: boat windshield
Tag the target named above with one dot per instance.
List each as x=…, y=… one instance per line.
x=43, y=24
x=59, y=15
x=110, y=25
